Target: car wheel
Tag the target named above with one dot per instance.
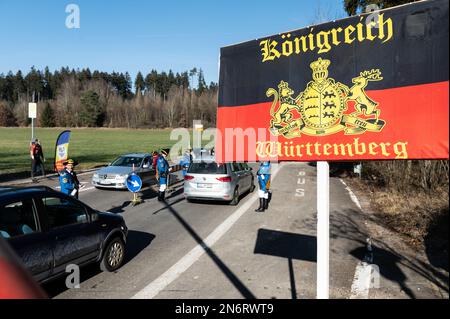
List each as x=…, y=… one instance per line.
x=113, y=255
x=235, y=199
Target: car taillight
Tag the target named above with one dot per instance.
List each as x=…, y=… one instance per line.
x=188, y=177
x=224, y=179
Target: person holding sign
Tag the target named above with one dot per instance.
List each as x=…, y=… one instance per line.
x=68, y=179
x=163, y=174
x=264, y=184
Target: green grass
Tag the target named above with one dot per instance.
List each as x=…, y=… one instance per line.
x=90, y=147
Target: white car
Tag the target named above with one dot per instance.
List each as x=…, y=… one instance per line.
x=115, y=174
x=208, y=180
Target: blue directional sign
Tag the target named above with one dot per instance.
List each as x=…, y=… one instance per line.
x=134, y=183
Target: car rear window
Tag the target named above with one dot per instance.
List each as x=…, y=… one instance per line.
x=207, y=168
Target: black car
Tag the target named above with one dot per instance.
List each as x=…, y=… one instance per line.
x=50, y=230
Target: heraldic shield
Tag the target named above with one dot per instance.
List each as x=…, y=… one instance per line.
x=322, y=104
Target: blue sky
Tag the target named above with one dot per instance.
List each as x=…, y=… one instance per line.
x=142, y=35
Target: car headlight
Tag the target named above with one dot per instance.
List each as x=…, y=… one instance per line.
x=95, y=176
x=121, y=177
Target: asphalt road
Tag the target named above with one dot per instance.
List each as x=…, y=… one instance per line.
x=268, y=255
x=182, y=250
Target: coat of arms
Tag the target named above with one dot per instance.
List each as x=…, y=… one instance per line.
x=319, y=109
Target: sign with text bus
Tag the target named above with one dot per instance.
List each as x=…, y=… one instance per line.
x=368, y=87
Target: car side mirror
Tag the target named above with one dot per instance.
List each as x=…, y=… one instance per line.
x=94, y=216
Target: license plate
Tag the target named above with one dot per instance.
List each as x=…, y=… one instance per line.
x=204, y=185
x=105, y=183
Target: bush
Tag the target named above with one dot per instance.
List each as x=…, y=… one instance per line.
x=403, y=176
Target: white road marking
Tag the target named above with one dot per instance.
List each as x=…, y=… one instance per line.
x=364, y=279
x=352, y=195
x=82, y=189
x=155, y=287
x=86, y=189
x=365, y=273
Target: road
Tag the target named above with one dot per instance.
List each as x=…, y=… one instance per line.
x=182, y=250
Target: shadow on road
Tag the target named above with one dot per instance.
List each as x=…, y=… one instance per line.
x=287, y=245
x=436, y=241
x=390, y=260
x=58, y=286
x=239, y=285
x=347, y=224
x=136, y=242
x=119, y=209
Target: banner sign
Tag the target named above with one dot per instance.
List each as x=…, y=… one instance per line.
x=368, y=87
x=62, y=150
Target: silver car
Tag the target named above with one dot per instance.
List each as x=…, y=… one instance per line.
x=208, y=180
x=115, y=174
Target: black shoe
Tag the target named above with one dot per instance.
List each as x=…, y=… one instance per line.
x=261, y=205
x=266, y=203
x=160, y=197
x=163, y=196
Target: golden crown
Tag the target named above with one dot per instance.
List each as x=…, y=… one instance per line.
x=283, y=85
x=320, y=65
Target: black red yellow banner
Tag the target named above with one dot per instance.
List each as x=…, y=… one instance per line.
x=373, y=86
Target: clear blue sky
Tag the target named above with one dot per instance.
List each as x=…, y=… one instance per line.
x=141, y=35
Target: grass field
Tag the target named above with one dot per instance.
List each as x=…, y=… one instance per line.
x=90, y=147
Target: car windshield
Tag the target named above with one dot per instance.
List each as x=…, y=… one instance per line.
x=207, y=168
x=127, y=161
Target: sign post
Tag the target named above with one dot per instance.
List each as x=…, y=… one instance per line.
x=323, y=229
x=134, y=185
x=32, y=114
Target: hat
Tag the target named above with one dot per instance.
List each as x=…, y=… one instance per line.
x=163, y=152
x=70, y=161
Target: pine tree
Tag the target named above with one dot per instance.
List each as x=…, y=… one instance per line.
x=139, y=83
x=91, y=114
x=201, y=87
x=7, y=117
x=48, y=116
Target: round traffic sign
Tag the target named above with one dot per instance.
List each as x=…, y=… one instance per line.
x=134, y=183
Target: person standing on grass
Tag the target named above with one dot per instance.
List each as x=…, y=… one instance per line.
x=37, y=159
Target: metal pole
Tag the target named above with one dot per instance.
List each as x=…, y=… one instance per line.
x=32, y=121
x=323, y=230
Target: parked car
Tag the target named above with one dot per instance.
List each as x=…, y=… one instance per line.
x=115, y=174
x=49, y=230
x=208, y=180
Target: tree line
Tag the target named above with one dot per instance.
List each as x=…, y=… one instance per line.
x=81, y=98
